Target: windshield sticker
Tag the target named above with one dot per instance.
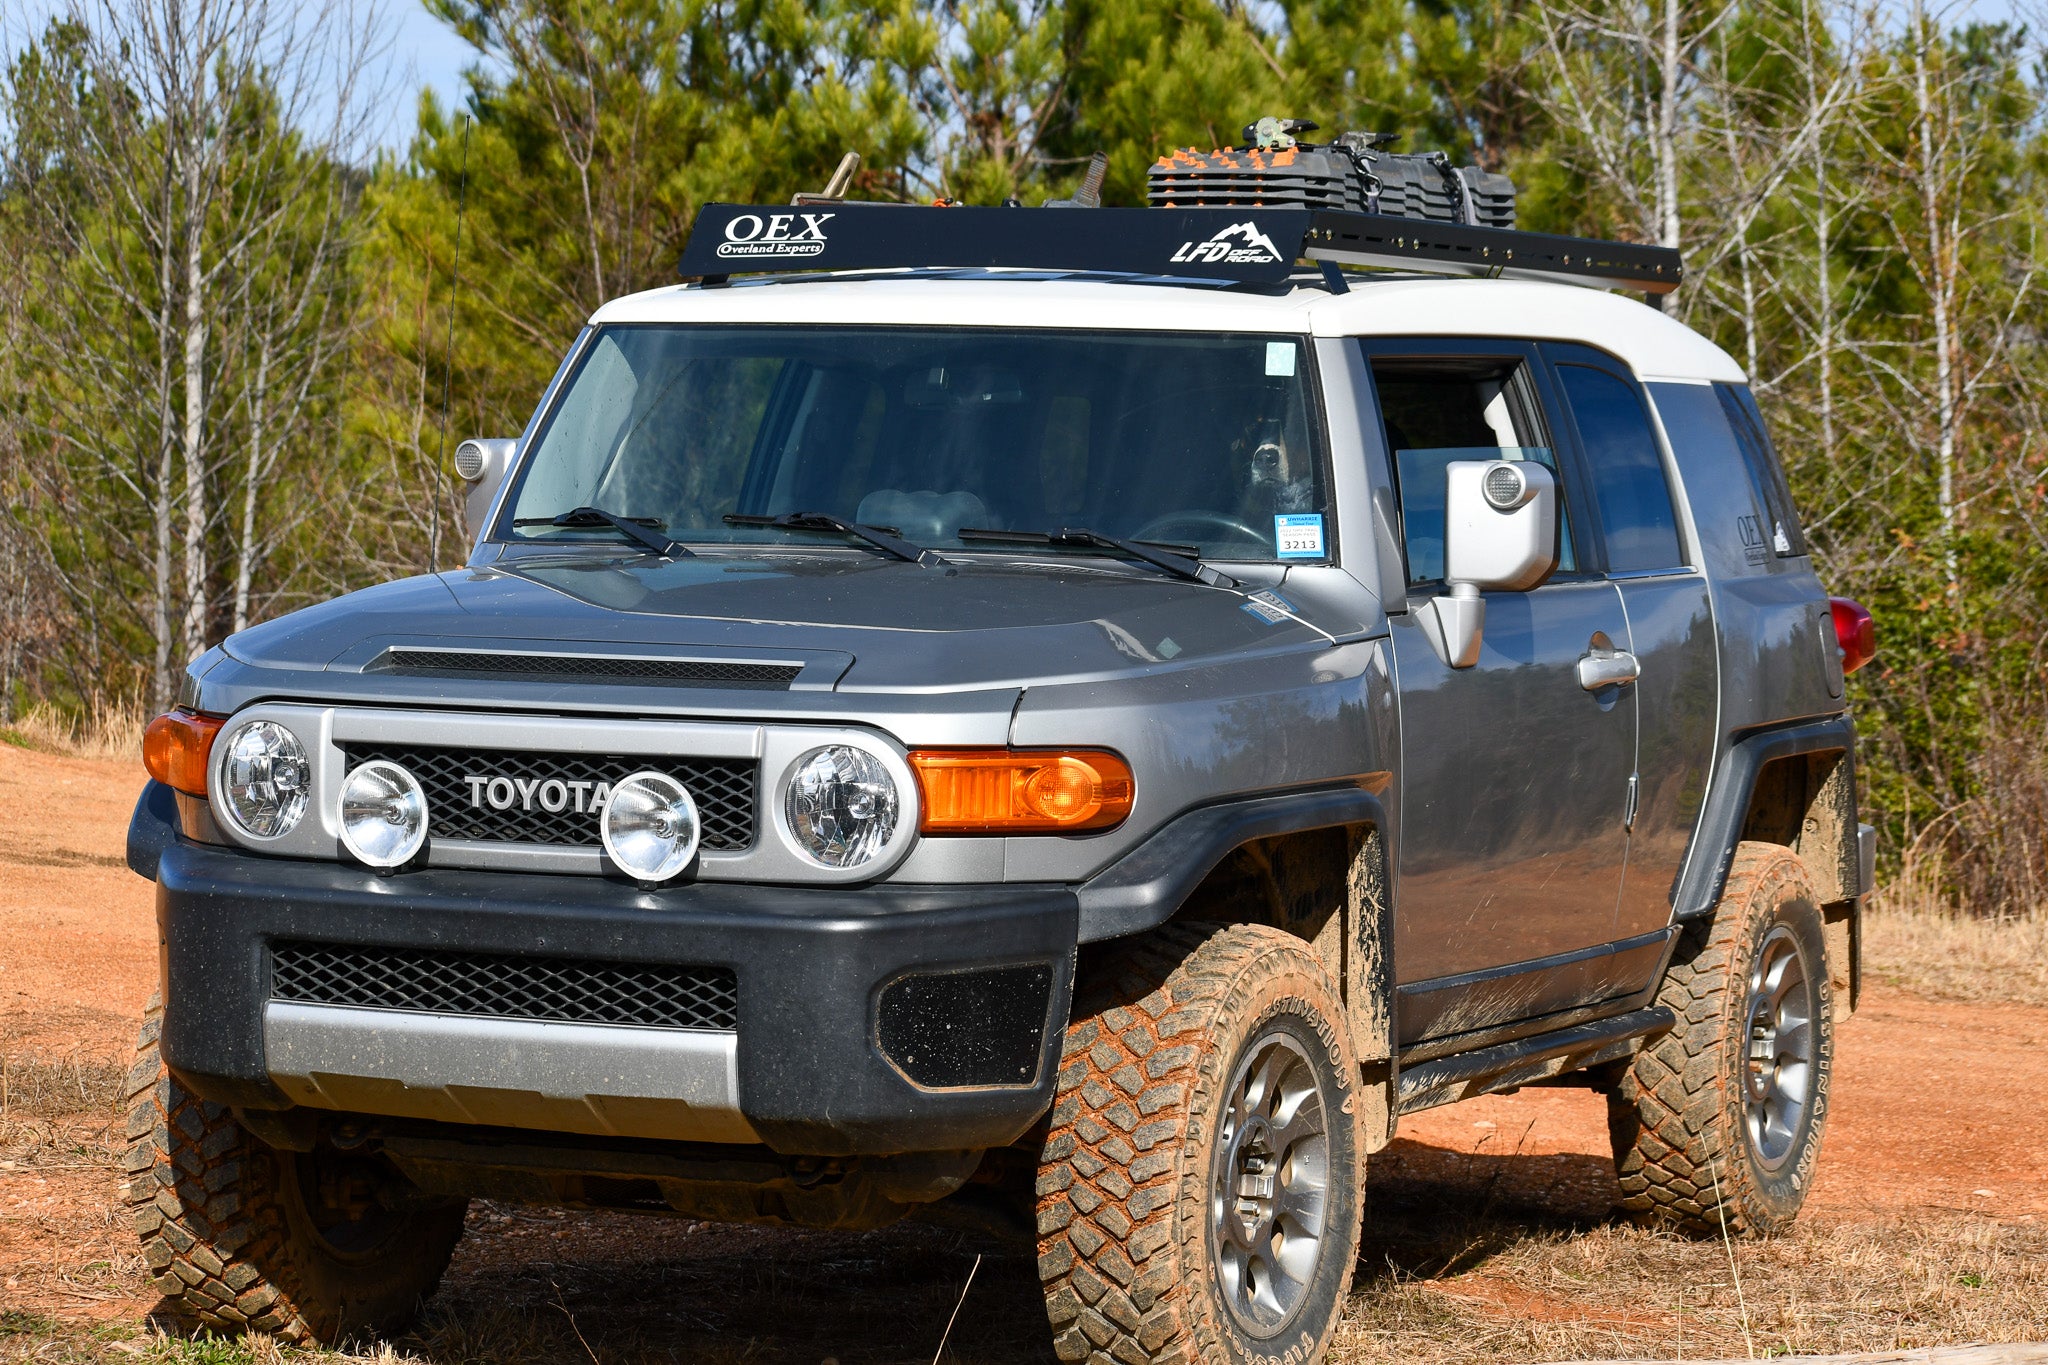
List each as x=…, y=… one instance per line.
x=1298, y=535
x=756, y=235
x=1239, y=244
x=1280, y=360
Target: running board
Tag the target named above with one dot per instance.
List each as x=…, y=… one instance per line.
x=1506, y=1065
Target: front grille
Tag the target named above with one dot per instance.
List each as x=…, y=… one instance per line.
x=454, y=663
x=493, y=986
x=723, y=789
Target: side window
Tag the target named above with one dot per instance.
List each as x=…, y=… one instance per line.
x=1634, y=499
x=1440, y=410
x=1766, y=475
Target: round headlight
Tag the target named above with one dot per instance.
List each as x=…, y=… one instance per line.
x=383, y=814
x=650, y=826
x=264, y=780
x=842, y=805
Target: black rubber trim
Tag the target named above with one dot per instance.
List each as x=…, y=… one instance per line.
x=152, y=828
x=1720, y=827
x=1146, y=885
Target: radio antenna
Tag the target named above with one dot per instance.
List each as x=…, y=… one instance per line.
x=454, y=292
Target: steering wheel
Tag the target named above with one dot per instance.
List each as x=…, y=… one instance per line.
x=1170, y=526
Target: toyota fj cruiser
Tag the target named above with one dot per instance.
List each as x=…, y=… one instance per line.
x=1067, y=720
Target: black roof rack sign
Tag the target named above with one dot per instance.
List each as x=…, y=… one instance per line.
x=1253, y=245
x=1258, y=245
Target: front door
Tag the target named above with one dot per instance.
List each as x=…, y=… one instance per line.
x=1514, y=776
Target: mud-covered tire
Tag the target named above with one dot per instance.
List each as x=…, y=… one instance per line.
x=1696, y=1145
x=1178, y=1038
x=232, y=1239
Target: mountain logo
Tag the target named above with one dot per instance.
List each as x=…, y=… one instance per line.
x=1238, y=244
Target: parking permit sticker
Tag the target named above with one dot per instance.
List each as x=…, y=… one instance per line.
x=1266, y=612
x=1269, y=606
x=1279, y=359
x=1298, y=535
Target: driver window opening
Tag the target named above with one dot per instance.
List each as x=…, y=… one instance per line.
x=1437, y=411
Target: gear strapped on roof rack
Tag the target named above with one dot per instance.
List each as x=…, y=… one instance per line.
x=1352, y=173
x=1242, y=215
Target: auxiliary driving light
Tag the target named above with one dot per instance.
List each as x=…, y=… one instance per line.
x=383, y=814
x=842, y=805
x=650, y=826
x=264, y=779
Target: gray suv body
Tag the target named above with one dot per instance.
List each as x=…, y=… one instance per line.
x=1496, y=839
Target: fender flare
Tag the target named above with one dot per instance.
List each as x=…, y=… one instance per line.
x=1146, y=886
x=1720, y=828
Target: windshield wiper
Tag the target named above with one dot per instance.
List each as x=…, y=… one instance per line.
x=1169, y=559
x=881, y=537
x=634, y=528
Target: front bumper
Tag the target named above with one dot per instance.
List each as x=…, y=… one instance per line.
x=802, y=1071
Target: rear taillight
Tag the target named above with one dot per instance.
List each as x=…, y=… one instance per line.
x=1855, y=632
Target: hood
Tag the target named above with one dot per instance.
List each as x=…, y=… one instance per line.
x=865, y=622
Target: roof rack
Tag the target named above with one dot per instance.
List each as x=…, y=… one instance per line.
x=1251, y=245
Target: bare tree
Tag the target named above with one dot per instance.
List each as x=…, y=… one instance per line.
x=194, y=139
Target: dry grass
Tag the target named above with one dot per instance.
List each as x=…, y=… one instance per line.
x=1451, y=1270
x=36, y=1086
x=1458, y=1279
x=110, y=728
x=1916, y=939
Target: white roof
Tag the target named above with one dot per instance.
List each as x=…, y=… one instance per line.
x=1654, y=346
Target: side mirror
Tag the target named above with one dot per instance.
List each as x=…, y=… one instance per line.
x=482, y=463
x=1500, y=534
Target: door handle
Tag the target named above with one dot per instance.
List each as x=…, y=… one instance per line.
x=1607, y=668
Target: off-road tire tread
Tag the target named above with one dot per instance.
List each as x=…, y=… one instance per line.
x=1671, y=1114
x=201, y=1192
x=1129, y=1107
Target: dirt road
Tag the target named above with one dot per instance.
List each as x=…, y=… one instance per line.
x=1935, y=1126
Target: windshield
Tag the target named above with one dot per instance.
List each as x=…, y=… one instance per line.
x=1197, y=441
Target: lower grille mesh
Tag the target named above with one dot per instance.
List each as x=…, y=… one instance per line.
x=498, y=986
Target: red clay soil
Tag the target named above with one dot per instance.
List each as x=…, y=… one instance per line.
x=1928, y=1097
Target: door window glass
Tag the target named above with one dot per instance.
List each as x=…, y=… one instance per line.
x=1437, y=411
x=1636, y=517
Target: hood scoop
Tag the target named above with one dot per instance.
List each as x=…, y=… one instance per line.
x=615, y=669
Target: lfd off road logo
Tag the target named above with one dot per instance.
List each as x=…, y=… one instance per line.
x=755, y=235
x=1238, y=244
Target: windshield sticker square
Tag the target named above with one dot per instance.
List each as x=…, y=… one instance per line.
x=1280, y=360
x=1298, y=535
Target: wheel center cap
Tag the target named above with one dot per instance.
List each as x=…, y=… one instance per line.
x=1254, y=1168
x=1763, y=1054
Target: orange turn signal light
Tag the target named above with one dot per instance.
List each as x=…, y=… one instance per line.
x=176, y=747
x=1021, y=791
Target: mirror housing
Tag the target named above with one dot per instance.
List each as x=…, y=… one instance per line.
x=1500, y=535
x=482, y=462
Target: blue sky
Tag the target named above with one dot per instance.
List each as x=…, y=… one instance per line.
x=424, y=52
